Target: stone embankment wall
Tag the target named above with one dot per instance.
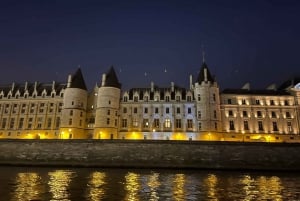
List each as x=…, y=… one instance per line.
x=151, y=154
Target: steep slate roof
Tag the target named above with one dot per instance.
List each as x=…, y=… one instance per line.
x=78, y=81
x=112, y=79
x=201, y=74
x=289, y=83
x=40, y=87
x=254, y=92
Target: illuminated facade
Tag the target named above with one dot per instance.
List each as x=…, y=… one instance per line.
x=201, y=112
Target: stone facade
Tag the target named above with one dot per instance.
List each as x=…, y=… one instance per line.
x=201, y=112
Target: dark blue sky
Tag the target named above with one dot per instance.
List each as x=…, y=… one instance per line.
x=254, y=41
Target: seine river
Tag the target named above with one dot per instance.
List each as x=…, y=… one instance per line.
x=28, y=183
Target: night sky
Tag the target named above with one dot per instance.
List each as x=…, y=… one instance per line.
x=256, y=41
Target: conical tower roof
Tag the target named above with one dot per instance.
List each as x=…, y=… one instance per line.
x=111, y=79
x=204, y=74
x=78, y=81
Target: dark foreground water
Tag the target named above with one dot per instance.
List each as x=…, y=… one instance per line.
x=27, y=183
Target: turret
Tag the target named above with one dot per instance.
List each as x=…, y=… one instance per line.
x=206, y=92
x=108, y=105
x=74, y=108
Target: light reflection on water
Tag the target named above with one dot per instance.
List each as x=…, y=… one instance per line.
x=19, y=183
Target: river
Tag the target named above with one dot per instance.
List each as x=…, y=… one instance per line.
x=79, y=184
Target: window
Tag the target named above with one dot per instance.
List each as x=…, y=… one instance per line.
x=178, y=110
x=108, y=112
x=230, y=113
x=116, y=122
x=146, y=98
x=146, y=110
x=167, y=98
x=167, y=110
x=57, y=123
x=199, y=97
x=156, y=110
x=146, y=123
x=125, y=110
x=80, y=122
x=21, y=122
x=257, y=102
x=216, y=125
x=178, y=123
x=109, y=102
x=214, y=97
x=108, y=121
x=135, y=110
x=246, y=125
x=189, y=123
x=29, y=123
x=167, y=123
x=135, y=123
x=189, y=98
x=70, y=122
x=156, y=123
x=81, y=114
x=124, y=123
x=275, y=128
x=135, y=98
x=259, y=114
x=286, y=102
x=189, y=110
x=3, y=123
x=260, y=126
x=125, y=99
x=229, y=101
x=243, y=101
x=288, y=115
x=199, y=114
x=177, y=98
x=273, y=114
x=231, y=125
x=199, y=125
x=289, y=126
x=71, y=112
x=49, y=122
x=272, y=102
x=12, y=123
x=215, y=114
x=245, y=114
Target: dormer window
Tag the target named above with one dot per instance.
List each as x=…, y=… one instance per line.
x=177, y=98
x=167, y=98
x=125, y=99
x=135, y=98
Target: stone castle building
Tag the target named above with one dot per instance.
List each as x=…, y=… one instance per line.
x=200, y=112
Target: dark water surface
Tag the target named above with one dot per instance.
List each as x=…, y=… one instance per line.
x=28, y=183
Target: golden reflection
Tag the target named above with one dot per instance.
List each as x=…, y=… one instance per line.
x=269, y=188
x=59, y=182
x=154, y=183
x=178, y=188
x=96, y=191
x=211, y=183
x=28, y=187
x=262, y=188
x=248, y=184
x=132, y=186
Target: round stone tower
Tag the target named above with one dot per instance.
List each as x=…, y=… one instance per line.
x=108, y=105
x=74, y=108
x=206, y=92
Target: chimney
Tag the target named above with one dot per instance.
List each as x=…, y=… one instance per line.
x=103, y=80
x=69, y=81
x=152, y=86
x=172, y=86
x=191, y=82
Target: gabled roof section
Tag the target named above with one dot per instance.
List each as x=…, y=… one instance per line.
x=204, y=74
x=111, y=79
x=78, y=81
